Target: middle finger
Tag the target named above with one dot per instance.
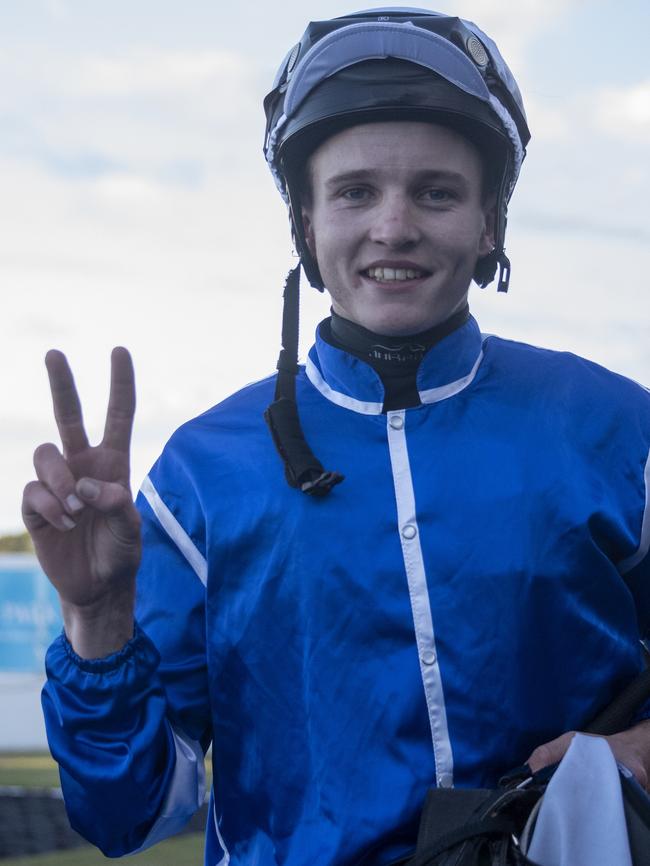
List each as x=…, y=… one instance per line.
x=121, y=402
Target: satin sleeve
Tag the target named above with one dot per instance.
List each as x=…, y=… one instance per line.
x=129, y=731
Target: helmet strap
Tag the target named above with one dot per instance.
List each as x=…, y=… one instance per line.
x=504, y=272
x=302, y=469
x=309, y=264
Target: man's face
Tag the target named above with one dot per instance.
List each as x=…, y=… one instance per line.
x=396, y=223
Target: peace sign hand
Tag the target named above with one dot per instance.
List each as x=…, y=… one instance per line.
x=80, y=512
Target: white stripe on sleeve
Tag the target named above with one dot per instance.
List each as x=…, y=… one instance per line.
x=175, y=531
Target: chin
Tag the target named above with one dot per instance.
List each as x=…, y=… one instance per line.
x=395, y=325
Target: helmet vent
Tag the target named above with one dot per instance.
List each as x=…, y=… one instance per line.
x=291, y=62
x=477, y=52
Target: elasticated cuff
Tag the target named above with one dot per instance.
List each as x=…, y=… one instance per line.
x=111, y=662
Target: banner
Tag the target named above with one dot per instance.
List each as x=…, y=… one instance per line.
x=30, y=617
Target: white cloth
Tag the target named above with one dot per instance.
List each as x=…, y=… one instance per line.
x=581, y=820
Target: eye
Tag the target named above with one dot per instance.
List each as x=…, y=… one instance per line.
x=437, y=195
x=355, y=193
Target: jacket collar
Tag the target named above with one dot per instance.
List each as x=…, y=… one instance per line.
x=446, y=369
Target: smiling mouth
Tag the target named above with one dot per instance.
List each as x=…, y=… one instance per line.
x=393, y=275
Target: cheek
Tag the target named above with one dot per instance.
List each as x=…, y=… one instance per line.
x=469, y=236
x=332, y=243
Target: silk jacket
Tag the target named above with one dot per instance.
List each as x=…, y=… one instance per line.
x=477, y=585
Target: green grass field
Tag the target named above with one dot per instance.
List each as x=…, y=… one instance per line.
x=29, y=770
x=38, y=770
x=182, y=851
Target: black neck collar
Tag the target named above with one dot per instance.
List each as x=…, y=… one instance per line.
x=388, y=354
x=394, y=359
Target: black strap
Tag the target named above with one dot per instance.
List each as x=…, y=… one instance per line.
x=287, y=365
x=301, y=468
x=504, y=272
x=620, y=713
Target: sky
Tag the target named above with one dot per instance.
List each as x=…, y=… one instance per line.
x=136, y=208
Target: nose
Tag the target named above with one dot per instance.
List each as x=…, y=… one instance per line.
x=394, y=223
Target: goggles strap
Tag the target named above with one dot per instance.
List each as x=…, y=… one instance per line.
x=301, y=468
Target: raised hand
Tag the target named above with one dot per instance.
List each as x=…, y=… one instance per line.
x=80, y=512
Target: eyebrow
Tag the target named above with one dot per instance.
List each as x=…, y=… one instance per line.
x=424, y=175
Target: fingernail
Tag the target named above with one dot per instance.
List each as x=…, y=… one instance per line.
x=68, y=522
x=73, y=503
x=88, y=489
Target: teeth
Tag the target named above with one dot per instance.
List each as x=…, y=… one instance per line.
x=387, y=274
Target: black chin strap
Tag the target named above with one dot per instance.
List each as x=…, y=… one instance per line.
x=486, y=268
x=301, y=468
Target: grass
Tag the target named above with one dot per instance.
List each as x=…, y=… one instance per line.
x=182, y=851
x=38, y=770
x=28, y=770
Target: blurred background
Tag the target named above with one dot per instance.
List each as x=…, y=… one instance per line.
x=136, y=209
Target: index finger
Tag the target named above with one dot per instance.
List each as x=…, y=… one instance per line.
x=67, y=407
x=121, y=401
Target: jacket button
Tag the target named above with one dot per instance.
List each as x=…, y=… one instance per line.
x=428, y=658
x=409, y=531
x=396, y=422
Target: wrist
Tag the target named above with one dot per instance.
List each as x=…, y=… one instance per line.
x=99, y=629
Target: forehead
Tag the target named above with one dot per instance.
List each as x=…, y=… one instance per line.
x=395, y=146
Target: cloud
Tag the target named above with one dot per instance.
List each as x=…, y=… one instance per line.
x=129, y=189
x=160, y=72
x=57, y=9
x=53, y=77
x=566, y=224
x=548, y=120
x=525, y=16
x=168, y=118
x=514, y=25
x=625, y=111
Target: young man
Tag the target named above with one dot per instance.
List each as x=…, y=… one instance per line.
x=472, y=589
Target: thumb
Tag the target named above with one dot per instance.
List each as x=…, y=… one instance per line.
x=114, y=501
x=551, y=752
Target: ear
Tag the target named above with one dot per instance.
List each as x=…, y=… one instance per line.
x=487, y=239
x=308, y=229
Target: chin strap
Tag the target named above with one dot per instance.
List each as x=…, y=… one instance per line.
x=504, y=272
x=486, y=269
x=301, y=468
